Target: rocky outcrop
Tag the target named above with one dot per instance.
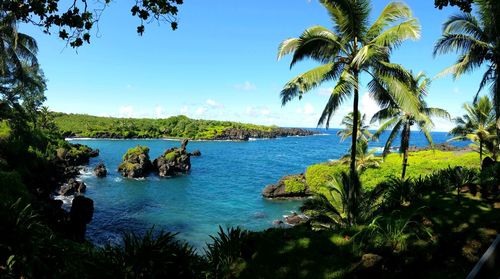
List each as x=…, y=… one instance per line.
x=196, y=153
x=80, y=214
x=440, y=147
x=295, y=219
x=288, y=187
x=246, y=134
x=174, y=161
x=100, y=170
x=72, y=187
x=136, y=163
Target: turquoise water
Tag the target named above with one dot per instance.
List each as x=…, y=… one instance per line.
x=223, y=188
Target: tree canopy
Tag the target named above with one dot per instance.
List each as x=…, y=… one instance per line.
x=75, y=20
x=464, y=5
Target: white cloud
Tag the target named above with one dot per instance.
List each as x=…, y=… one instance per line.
x=200, y=111
x=159, y=112
x=308, y=109
x=214, y=104
x=325, y=91
x=258, y=111
x=184, y=110
x=368, y=106
x=245, y=86
x=126, y=111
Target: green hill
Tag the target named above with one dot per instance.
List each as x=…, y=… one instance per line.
x=82, y=125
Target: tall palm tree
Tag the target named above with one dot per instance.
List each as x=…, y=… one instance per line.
x=18, y=59
x=351, y=48
x=400, y=120
x=363, y=132
x=475, y=39
x=478, y=124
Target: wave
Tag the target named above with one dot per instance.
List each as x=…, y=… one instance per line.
x=67, y=201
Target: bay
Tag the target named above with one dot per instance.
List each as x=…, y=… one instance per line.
x=223, y=188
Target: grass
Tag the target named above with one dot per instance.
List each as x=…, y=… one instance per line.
x=421, y=163
x=136, y=151
x=458, y=235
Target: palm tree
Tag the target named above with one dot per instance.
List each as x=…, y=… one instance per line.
x=364, y=159
x=351, y=48
x=400, y=120
x=18, y=62
x=475, y=39
x=478, y=124
x=363, y=132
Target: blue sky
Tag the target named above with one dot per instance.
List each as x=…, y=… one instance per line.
x=221, y=64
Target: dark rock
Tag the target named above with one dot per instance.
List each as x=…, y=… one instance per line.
x=136, y=163
x=81, y=214
x=370, y=260
x=279, y=190
x=487, y=163
x=278, y=222
x=196, y=153
x=100, y=170
x=72, y=187
x=295, y=219
x=245, y=134
x=173, y=161
x=440, y=147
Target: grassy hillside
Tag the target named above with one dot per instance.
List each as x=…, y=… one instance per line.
x=82, y=125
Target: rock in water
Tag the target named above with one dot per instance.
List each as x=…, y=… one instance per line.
x=174, y=161
x=72, y=187
x=100, y=170
x=288, y=187
x=196, y=153
x=81, y=214
x=136, y=162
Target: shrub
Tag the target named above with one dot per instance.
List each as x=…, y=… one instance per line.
x=294, y=184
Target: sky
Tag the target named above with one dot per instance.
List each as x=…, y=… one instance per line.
x=221, y=64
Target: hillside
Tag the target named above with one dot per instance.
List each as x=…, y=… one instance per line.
x=82, y=125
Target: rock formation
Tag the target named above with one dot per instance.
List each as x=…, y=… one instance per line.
x=245, y=134
x=72, y=187
x=136, y=162
x=288, y=187
x=100, y=170
x=174, y=161
x=80, y=214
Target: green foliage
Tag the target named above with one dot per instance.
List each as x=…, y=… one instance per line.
x=173, y=127
x=12, y=188
x=171, y=155
x=294, y=184
x=5, y=130
x=74, y=23
x=319, y=175
x=155, y=255
x=135, y=152
x=225, y=255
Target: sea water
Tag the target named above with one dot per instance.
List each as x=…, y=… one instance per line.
x=223, y=188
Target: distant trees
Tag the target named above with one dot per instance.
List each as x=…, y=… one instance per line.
x=74, y=21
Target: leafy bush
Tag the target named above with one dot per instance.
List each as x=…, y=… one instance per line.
x=294, y=184
x=225, y=255
x=135, y=152
x=152, y=255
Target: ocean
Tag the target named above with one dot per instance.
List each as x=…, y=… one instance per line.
x=223, y=188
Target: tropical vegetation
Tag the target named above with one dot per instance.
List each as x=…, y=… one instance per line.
x=478, y=125
x=475, y=39
x=400, y=120
x=363, y=220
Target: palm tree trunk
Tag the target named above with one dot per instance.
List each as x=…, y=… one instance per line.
x=480, y=152
x=353, y=172
x=405, y=144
